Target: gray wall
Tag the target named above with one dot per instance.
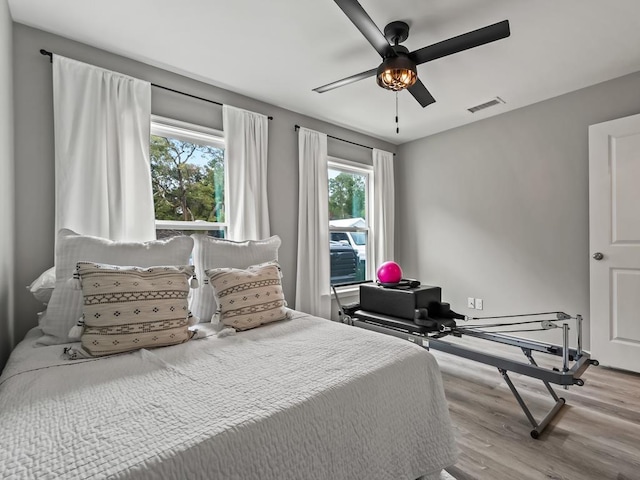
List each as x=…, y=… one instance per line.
x=34, y=178
x=498, y=209
x=6, y=184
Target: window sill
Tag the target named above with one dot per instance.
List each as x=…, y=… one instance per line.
x=346, y=291
x=183, y=225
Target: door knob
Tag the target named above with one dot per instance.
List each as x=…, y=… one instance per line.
x=598, y=256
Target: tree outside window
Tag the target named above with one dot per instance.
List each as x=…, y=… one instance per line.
x=188, y=180
x=347, y=196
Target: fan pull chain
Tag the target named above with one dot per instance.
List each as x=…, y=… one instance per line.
x=397, y=124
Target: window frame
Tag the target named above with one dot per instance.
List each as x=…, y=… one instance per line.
x=201, y=135
x=347, y=166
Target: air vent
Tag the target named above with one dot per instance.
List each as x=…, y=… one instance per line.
x=490, y=103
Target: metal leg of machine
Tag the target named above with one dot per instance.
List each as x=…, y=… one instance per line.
x=537, y=427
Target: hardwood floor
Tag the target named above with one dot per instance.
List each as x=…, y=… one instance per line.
x=596, y=435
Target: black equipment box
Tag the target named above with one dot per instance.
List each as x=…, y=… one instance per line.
x=399, y=302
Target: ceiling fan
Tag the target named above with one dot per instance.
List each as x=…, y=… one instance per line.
x=398, y=68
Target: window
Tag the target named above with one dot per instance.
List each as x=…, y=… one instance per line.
x=188, y=177
x=349, y=211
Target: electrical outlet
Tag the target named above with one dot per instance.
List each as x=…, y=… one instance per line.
x=471, y=302
x=478, y=304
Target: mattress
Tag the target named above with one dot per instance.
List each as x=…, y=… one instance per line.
x=304, y=398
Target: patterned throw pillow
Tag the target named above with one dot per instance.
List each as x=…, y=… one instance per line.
x=210, y=252
x=127, y=308
x=248, y=298
x=65, y=307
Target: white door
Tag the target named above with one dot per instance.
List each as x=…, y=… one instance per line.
x=614, y=237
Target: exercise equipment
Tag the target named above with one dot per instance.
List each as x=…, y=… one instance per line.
x=432, y=323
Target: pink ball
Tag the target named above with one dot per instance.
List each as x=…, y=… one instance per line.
x=389, y=272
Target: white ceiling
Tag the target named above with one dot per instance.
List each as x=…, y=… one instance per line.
x=556, y=46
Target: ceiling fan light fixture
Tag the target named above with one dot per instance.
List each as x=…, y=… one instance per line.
x=396, y=73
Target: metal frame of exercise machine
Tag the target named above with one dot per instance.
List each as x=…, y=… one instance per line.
x=574, y=361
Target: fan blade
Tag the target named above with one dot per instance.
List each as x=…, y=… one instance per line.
x=363, y=22
x=346, y=81
x=461, y=42
x=421, y=94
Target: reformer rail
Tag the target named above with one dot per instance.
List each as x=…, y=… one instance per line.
x=574, y=361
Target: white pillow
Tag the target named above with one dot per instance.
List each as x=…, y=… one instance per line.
x=210, y=252
x=65, y=306
x=42, y=287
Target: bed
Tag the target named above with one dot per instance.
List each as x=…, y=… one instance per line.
x=304, y=398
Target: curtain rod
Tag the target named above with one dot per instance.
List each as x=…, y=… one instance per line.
x=50, y=55
x=297, y=127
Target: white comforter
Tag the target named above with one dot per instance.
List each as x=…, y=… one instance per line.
x=301, y=399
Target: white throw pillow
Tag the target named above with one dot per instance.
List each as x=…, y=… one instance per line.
x=42, y=287
x=65, y=306
x=210, y=252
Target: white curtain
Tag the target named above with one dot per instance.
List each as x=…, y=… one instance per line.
x=246, y=142
x=313, y=294
x=103, y=172
x=383, y=207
